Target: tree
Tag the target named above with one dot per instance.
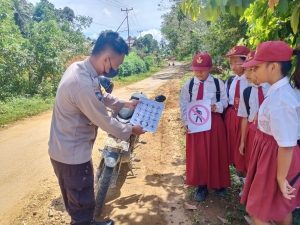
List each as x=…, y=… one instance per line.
x=280, y=22
x=35, y=44
x=146, y=44
x=185, y=37
x=22, y=15
x=47, y=44
x=13, y=62
x=267, y=19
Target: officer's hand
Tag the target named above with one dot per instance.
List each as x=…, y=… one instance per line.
x=137, y=130
x=131, y=104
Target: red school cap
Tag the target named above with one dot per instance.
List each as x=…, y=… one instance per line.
x=249, y=57
x=238, y=50
x=201, y=61
x=271, y=51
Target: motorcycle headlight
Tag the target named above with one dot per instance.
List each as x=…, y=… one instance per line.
x=110, y=161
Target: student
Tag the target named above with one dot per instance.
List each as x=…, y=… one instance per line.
x=253, y=97
x=235, y=87
x=206, y=152
x=272, y=188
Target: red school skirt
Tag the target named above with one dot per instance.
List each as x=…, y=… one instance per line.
x=233, y=131
x=206, y=156
x=261, y=193
x=251, y=131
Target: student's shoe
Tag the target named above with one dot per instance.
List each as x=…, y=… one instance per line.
x=106, y=222
x=222, y=192
x=201, y=194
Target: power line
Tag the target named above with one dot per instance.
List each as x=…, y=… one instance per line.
x=110, y=3
x=121, y=31
x=121, y=24
x=119, y=3
x=135, y=17
x=100, y=24
x=132, y=21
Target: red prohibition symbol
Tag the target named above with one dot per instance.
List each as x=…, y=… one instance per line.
x=199, y=115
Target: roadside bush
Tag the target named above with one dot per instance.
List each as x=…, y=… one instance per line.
x=132, y=64
x=149, y=61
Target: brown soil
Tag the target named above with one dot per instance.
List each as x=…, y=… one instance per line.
x=155, y=195
x=29, y=193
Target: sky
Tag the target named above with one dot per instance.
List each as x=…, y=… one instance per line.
x=143, y=19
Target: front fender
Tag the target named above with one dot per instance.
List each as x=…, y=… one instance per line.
x=111, y=158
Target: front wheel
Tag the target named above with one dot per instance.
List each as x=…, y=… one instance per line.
x=103, y=186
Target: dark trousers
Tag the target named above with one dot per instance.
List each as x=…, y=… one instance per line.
x=77, y=188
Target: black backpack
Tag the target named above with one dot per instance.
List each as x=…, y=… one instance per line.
x=218, y=93
x=229, y=82
x=246, y=95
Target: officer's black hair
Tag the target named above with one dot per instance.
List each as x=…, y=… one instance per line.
x=112, y=40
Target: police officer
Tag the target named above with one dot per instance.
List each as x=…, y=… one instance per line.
x=79, y=109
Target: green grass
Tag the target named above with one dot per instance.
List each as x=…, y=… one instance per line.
x=14, y=109
x=122, y=81
x=17, y=108
x=184, y=59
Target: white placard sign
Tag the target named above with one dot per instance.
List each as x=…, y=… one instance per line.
x=147, y=114
x=199, y=116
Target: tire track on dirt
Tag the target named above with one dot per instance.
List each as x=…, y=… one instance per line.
x=29, y=193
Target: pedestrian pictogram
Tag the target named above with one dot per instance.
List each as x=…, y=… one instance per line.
x=199, y=116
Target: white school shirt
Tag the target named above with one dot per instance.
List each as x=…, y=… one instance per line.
x=209, y=92
x=253, y=102
x=243, y=84
x=279, y=115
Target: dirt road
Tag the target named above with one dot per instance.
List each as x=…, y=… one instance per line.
x=28, y=190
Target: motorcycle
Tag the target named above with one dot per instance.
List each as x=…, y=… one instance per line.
x=116, y=152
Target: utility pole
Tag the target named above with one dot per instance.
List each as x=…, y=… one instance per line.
x=140, y=31
x=127, y=11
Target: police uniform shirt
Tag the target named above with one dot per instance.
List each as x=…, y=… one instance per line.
x=209, y=92
x=279, y=115
x=79, y=109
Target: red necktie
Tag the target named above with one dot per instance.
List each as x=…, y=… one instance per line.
x=237, y=95
x=200, y=91
x=261, y=96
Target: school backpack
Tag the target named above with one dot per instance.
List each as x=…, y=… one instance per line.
x=218, y=92
x=229, y=82
x=246, y=96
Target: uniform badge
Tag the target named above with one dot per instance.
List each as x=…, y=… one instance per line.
x=98, y=94
x=199, y=60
